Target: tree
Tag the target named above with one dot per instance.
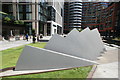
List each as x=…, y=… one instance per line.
x=16, y=22
x=7, y=19
x=79, y=30
x=19, y=22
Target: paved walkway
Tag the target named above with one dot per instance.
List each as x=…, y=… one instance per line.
x=6, y=44
x=10, y=44
x=108, y=67
x=109, y=70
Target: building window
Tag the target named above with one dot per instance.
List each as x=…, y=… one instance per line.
x=55, y=30
x=39, y=16
x=10, y=8
x=49, y=29
x=20, y=8
x=28, y=8
x=28, y=16
x=21, y=16
x=51, y=13
x=29, y=28
x=39, y=8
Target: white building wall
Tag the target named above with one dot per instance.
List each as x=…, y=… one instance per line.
x=57, y=5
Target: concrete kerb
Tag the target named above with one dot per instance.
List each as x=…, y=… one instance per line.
x=89, y=77
x=6, y=69
x=11, y=68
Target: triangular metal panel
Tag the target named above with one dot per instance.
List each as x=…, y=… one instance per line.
x=94, y=38
x=98, y=39
x=80, y=44
x=82, y=41
x=33, y=58
x=62, y=45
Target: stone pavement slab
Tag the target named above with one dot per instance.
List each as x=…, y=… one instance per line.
x=10, y=44
x=6, y=44
x=108, y=67
x=109, y=57
x=109, y=70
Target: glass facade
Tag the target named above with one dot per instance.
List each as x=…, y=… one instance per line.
x=28, y=8
x=25, y=12
x=35, y=14
x=48, y=29
x=20, y=8
x=51, y=13
x=41, y=28
x=42, y=11
x=28, y=28
x=7, y=8
x=28, y=16
x=21, y=16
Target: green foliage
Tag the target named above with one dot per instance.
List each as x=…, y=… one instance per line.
x=7, y=19
x=16, y=22
x=19, y=22
x=3, y=13
x=79, y=30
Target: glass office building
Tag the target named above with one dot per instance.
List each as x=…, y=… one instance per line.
x=44, y=16
x=34, y=14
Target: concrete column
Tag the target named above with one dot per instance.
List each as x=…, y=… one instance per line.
x=33, y=17
x=37, y=20
x=33, y=25
x=45, y=29
x=37, y=27
x=14, y=10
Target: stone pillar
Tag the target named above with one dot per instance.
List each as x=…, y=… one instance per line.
x=14, y=10
x=37, y=19
x=45, y=29
x=33, y=17
x=37, y=27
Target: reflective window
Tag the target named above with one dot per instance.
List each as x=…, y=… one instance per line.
x=21, y=16
x=28, y=16
x=10, y=8
x=20, y=8
x=51, y=13
x=28, y=8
